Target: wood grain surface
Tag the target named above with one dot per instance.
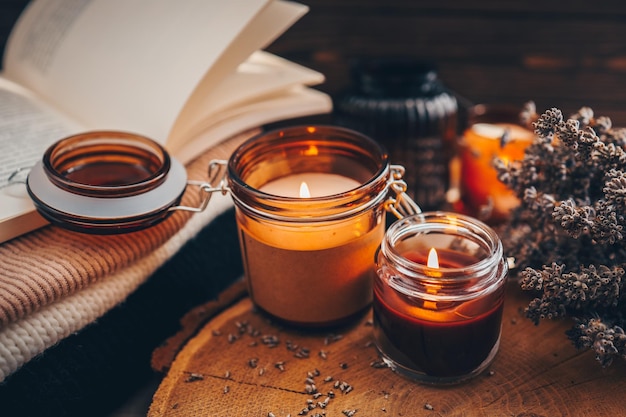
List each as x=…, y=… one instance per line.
x=241, y=364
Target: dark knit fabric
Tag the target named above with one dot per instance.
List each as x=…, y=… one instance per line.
x=94, y=371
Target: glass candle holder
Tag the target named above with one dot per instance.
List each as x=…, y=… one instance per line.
x=493, y=132
x=308, y=258
x=106, y=182
x=439, y=321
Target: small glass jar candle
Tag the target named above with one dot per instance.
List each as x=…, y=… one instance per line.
x=438, y=297
x=308, y=249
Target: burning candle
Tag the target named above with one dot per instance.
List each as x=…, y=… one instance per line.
x=316, y=184
x=492, y=134
x=308, y=259
x=438, y=297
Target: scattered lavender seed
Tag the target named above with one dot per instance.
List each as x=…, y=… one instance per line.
x=343, y=365
x=331, y=338
x=323, y=354
x=227, y=374
x=253, y=343
x=261, y=371
x=270, y=414
x=242, y=326
x=331, y=394
x=270, y=340
x=194, y=377
x=309, y=381
x=226, y=389
x=280, y=366
x=252, y=363
x=349, y=413
x=491, y=373
x=216, y=333
x=429, y=407
x=231, y=338
x=302, y=353
x=328, y=379
x=324, y=403
x=317, y=395
x=304, y=411
x=378, y=364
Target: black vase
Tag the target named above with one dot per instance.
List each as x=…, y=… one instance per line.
x=404, y=106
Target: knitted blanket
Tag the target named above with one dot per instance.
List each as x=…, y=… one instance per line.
x=55, y=282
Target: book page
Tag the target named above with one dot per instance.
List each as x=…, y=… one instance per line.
x=296, y=102
x=261, y=75
x=131, y=65
x=27, y=128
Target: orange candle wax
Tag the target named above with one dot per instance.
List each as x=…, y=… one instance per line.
x=480, y=145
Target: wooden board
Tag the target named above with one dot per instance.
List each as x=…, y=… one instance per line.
x=241, y=364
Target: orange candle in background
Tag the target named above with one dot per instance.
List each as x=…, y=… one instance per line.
x=482, y=194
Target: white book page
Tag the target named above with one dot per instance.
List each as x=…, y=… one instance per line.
x=296, y=102
x=262, y=73
x=129, y=64
x=27, y=128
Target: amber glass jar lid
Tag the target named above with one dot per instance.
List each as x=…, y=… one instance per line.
x=106, y=182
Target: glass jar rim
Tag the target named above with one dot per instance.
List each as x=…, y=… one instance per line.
x=107, y=145
x=102, y=213
x=480, y=275
x=326, y=138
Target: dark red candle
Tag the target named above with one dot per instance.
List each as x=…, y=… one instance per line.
x=437, y=348
x=438, y=323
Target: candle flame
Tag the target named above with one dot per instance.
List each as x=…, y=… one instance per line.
x=433, y=259
x=304, y=190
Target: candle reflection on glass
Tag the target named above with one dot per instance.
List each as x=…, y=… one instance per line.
x=438, y=297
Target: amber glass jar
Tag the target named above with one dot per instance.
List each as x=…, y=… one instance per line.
x=106, y=182
x=309, y=259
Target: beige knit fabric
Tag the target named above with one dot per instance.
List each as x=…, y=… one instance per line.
x=22, y=340
x=54, y=282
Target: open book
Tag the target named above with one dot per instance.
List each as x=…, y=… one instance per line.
x=186, y=74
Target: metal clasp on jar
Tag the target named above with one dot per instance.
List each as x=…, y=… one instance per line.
x=217, y=175
x=400, y=204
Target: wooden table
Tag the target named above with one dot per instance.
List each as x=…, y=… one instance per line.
x=240, y=364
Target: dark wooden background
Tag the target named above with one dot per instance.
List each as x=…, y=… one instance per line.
x=558, y=53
